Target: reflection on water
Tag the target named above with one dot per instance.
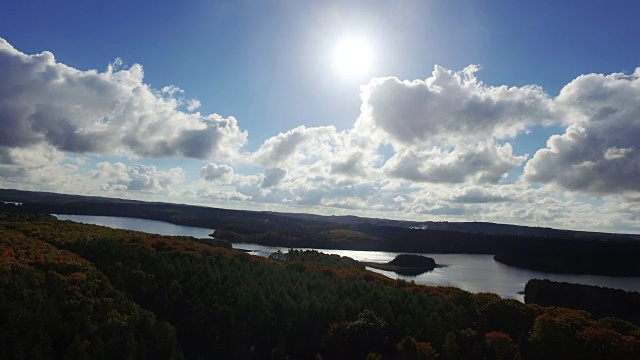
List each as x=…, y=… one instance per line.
x=470, y=272
x=148, y=226
x=475, y=273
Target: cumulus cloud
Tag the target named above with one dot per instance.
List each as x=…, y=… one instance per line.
x=193, y=104
x=447, y=129
x=212, y=194
x=218, y=173
x=440, y=208
x=326, y=192
x=478, y=195
x=598, y=151
x=318, y=152
x=37, y=155
x=321, y=166
x=297, y=145
x=450, y=107
x=485, y=162
x=40, y=167
x=170, y=90
x=273, y=177
x=142, y=178
x=46, y=102
x=351, y=165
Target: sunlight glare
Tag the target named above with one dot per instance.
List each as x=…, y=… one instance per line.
x=352, y=57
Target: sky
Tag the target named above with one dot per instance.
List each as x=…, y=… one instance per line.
x=517, y=112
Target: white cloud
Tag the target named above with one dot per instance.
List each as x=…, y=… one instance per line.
x=596, y=152
x=193, y=104
x=447, y=129
x=440, y=208
x=614, y=153
x=46, y=102
x=39, y=167
x=37, y=155
x=170, y=90
x=217, y=173
x=143, y=178
x=485, y=162
x=448, y=108
x=399, y=199
x=273, y=177
x=212, y=194
x=305, y=160
x=479, y=195
x=299, y=145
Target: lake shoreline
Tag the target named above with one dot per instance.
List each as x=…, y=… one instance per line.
x=402, y=270
x=470, y=272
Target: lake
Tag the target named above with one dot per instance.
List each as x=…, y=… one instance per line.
x=148, y=226
x=471, y=272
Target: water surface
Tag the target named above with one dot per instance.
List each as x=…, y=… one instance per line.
x=148, y=226
x=471, y=272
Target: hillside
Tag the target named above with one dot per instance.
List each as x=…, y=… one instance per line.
x=191, y=215
x=601, y=302
x=84, y=291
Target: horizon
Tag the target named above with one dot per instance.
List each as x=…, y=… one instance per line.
x=316, y=214
x=515, y=114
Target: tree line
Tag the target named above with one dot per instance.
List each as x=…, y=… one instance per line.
x=83, y=291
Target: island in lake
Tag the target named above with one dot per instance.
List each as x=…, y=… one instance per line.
x=406, y=264
x=72, y=290
x=540, y=249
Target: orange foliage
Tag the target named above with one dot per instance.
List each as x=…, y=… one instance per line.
x=77, y=277
x=607, y=343
x=8, y=252
x=500, y=344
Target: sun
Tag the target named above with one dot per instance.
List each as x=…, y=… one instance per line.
x=352, y=57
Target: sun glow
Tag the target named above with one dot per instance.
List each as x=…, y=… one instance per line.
x=352, y=57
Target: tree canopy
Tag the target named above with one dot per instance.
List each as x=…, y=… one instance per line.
x=83, y=291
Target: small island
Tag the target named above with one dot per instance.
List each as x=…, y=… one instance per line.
x=406, y=264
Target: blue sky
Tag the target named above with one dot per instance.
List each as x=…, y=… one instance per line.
x=473, y=152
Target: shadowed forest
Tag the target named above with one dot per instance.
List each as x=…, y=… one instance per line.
x=90, y=292
x=600, y=302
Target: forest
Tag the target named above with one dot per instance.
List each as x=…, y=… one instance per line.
x=77, y=291
x=599, y=301
x=540, y=249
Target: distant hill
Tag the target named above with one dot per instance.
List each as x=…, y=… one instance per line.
x=72, y=202
x=555, y=250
